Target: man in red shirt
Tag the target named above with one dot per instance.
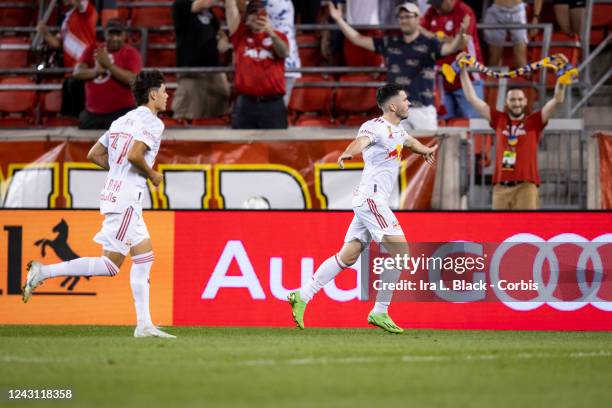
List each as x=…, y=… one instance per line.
x=444, y=19
x=259, y=78
x=516, y=178
x=109, y=70
x=77, y=32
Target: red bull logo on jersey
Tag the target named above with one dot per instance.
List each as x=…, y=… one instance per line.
x=396, y=153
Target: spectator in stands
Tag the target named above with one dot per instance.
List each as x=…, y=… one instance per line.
x=78, y=31
x=259, y=58
x=517, y=133
x=410, y=60
x=109, y=71
x=508, y=12
x=199, y=95
x=281, y=14
x=355, y=12
x=445, y=19
x=570, y=15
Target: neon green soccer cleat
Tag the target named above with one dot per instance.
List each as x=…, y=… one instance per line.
x=383, y=321
x=298, y=306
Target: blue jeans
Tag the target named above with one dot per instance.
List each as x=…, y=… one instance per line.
x=458, y=107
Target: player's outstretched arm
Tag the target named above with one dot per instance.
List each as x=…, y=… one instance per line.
x=136, y=158
x=550, y=106
x=98, y=154
x=470, y=94
x=354, y=149
x=419, y=148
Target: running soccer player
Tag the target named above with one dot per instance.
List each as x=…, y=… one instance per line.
x=381, y=141
x=127, y=150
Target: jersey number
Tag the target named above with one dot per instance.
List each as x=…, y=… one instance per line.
x=119, y=144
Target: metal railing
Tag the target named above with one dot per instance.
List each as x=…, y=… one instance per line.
x=561, y=163
x=144, y=46
x=583, y=68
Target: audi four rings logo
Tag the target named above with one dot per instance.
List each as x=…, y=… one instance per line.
x=589, y=291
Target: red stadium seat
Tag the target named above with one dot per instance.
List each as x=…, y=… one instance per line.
x=14, y=52
x=309, y=49
x=351, y=100
x=355, y=56
x=171, y=122
x=315, y=101
x=16, y=13
x=151, y=16
x=50, y=108
x=566, y=44
x=601, y=23
x=17, y=107
x=357, y=120
x=124, y=13
x=161, y=51
x=315, y=121
x=220, y=121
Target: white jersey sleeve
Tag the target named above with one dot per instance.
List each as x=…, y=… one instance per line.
x=103, y=140
x=146, y=137
x=369, y=130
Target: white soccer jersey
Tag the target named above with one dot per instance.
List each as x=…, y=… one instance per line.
x=382, y=160
x=125, y=186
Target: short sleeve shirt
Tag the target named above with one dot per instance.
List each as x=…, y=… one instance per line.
x=448, y=25
x=97, y=90
x=258, y=70
x=125, y=185
x=528, y=132
x=411, y=65
x=382, y=160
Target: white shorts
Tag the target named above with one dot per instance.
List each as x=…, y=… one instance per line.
x=372, y=221
x=121, y=231
x=502, y=15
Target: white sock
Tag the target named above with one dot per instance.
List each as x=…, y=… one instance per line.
x=383, y=297
x=327, y=271
x=101, y=266
x=139, y=282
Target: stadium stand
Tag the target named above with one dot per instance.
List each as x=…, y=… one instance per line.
x=14, y=51
x=50, y=110
x=147, y=16
x=16, y=13
x=310, y=105
x=337, y=102
x=17, y=107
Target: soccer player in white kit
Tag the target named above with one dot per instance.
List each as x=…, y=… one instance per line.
x=380, y=141
x=127, y=150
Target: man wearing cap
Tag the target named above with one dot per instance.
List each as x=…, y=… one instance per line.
x=109, y=70
x=410, y=59
x=259, y=58
x=445, y=19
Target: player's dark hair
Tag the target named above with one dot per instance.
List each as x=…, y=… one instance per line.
x=145, y=82
x=386, y=92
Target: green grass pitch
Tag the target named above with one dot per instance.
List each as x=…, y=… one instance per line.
x=240, y=367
